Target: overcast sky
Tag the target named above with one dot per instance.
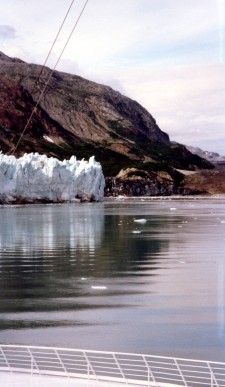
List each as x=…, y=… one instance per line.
x=166, y=54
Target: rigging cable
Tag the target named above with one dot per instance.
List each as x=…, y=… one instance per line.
x=50, y=76
x=63, y=22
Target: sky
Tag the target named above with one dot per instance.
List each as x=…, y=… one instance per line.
x=169, y=55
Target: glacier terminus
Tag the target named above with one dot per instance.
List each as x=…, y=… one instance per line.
x=36, y=178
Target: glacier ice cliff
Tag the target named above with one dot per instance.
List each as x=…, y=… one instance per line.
x=38, y=178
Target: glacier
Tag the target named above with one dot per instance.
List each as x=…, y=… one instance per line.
x=36, y=178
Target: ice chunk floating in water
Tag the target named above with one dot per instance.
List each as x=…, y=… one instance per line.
x=99, y=287
x=141, y=221
x=35, y=177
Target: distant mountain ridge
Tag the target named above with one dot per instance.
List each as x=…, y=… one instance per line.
x=83, y=118
x=213, y=157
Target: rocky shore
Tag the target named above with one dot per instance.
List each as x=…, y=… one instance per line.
x=211, y=181
x=200, y=182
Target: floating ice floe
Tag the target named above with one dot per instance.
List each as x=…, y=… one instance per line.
x=37, y=178
x=142, y=221
x=99, y=287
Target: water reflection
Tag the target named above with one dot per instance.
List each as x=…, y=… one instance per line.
x=88, y=276
x=30, y=228
x=50, y=238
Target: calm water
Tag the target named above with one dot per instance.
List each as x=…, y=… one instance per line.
x=88, y=276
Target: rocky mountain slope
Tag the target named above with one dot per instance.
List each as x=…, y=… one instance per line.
x=79, y=117
x=207, y=181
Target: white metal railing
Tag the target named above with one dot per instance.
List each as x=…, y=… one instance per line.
x=125, y=368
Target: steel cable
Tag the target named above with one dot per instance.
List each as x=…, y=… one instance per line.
x=52, y=71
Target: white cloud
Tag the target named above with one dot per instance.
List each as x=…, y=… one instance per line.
x=187, y=101
x=7, y=32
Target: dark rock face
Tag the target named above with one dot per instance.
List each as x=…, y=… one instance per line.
x=133, y=182
x=118, y=187
x=145, y=187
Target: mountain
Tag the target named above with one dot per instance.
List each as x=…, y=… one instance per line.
x=213, y=157
x=79, y=117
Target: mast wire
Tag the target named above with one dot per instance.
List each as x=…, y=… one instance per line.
x=51, y=73
x=49, y=53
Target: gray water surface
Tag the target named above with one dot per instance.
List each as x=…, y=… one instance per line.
x=88, y=276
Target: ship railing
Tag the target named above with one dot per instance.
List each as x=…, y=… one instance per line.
x=123, y=368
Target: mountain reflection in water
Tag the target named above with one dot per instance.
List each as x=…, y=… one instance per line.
x=89, y=276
